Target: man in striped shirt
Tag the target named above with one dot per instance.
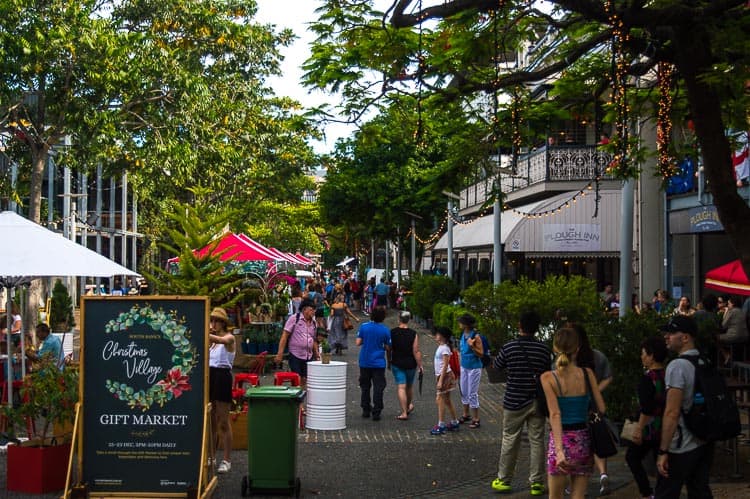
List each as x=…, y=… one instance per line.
x=524, y=359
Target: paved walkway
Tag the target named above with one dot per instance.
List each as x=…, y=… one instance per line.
x=400, y=459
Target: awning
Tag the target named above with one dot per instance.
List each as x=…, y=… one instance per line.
x=729, y=278
x=567, y=228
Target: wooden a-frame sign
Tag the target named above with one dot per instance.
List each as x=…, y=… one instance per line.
x=142, y=425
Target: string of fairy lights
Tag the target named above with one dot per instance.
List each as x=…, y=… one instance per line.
x=621, y=160
x=665, y=163
x=528, y=215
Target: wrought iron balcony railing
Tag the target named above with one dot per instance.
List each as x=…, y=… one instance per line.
x=545, y=164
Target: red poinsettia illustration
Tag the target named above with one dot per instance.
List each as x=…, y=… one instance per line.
x=175, y=382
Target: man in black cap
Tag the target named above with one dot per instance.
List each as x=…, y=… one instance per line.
x=683, y=459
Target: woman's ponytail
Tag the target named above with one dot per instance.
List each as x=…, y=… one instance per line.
x=566, y=345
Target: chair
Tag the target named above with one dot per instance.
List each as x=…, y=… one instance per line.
x=281, y=377
x=30, y=426
x=260, y=364
x=241, y=378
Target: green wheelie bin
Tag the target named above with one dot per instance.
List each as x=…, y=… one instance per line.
x=272, y=426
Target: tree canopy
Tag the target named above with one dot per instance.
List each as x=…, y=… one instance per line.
x=458, y=50
x=173, y=92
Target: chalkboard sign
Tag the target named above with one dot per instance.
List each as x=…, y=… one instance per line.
x=144, y=376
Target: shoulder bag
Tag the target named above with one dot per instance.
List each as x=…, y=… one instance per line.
x=603, y=439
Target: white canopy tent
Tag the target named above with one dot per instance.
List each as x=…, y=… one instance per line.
x=31, y=251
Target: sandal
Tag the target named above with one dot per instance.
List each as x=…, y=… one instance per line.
x=464, y=419
x=410, y=409
x=402, y=418
x=475, y=424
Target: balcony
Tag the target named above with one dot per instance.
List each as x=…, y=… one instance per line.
x=541, y=173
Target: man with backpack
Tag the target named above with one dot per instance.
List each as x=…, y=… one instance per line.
x=683, y=458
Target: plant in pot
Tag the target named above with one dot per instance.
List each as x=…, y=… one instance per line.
x=61, y=316
x=48, y=400
x=325, y=349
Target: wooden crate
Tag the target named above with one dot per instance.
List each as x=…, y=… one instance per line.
x=239, y=430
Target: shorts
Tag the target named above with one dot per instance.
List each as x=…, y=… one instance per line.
x=297, y=365
x=403, y=376
x=220, y=384
x=449, y=383
x=577, y=446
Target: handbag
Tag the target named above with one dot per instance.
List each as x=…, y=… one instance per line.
x=629, y=430
x=348, y=324
x=603, y=438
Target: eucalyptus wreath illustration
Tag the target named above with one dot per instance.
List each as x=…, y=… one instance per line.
x=184, y=358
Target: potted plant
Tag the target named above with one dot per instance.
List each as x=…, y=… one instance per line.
x=61, y=318
x=250, y=340
x=49, y=396
x=325, y=349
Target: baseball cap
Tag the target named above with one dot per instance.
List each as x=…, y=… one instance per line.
x=680, y=324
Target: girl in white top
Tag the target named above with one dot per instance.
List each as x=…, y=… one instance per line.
x=221, y=358
x=446, y=382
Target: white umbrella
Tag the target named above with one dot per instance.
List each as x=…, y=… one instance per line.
x=31, y=251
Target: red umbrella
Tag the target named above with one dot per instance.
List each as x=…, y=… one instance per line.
x=729, y=278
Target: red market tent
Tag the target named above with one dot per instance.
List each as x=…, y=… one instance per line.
x=304, y=259
x=232, y=248
x=729, y=278
x=293, y=258
x=258, y=247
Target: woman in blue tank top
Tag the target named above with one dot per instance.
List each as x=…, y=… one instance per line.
x=569, y=453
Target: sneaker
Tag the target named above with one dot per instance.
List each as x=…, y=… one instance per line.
x=224, y=467
x=501, y=486
x=453, y=426
x=604, y=489
x=537, y=489
x=437, y=430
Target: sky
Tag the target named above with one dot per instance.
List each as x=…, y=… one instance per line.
x=295, y=15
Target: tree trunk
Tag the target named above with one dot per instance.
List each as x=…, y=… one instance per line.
x=39, y=156
x=693, y=59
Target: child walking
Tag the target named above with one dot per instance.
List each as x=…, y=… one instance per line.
x=446, y=382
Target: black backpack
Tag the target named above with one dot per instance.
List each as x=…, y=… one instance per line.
x=713, y=415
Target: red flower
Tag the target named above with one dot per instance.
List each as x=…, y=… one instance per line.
x=175, y=382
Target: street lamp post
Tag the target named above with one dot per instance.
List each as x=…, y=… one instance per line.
x=451, y=197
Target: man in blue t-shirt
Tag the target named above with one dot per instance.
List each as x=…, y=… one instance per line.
x=381, y=291
x=49, y=346
x=375, y=339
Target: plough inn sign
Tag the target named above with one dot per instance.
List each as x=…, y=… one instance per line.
x=571, y=237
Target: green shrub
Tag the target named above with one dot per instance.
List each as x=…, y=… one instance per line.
x=61, y=308
x=620, y=339
x=430, y=290
x=498, y=308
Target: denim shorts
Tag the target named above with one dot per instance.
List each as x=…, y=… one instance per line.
x=403, y=376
